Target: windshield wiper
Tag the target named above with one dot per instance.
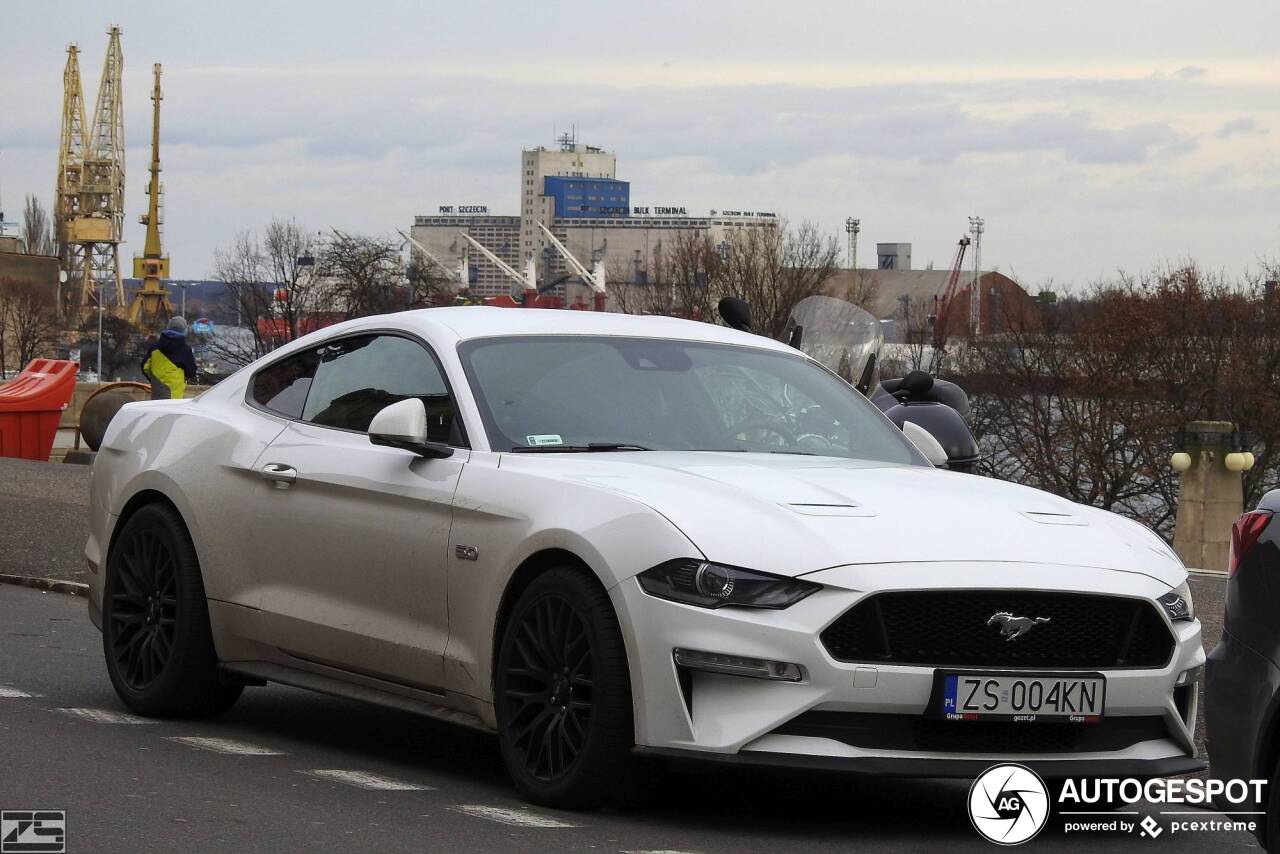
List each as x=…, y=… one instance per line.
x=590, y=447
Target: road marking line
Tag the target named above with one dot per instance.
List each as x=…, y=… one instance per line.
x=12, y=693
x=518, y=818
x=105, y=716
x=365, y=780
x=659, y=851
x=225, y=745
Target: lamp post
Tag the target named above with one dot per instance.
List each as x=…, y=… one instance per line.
x=183, y=286
x=852, y=227
x=975, y=295
x=99, y=335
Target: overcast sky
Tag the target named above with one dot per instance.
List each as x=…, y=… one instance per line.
x=1092, y=136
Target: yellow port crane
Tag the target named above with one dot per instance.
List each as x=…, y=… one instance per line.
x=98, y=223
x=66, y=203
x=151, y=302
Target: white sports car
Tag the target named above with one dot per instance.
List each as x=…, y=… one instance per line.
x=605, y=536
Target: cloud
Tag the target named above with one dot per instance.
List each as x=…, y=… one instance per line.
x=1243, y=126
x=1041, y=156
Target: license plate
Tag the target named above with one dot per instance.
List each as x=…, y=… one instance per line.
x=1022, y=697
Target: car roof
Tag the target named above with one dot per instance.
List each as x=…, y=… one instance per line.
x=469, y=322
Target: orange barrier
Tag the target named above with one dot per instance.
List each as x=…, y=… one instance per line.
x=31, y=405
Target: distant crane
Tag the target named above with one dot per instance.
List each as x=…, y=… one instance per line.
x=594, y=278
x=151, y=302
x=96, y=223
x=945, y=304
x=528, y=280
x=66, y=199
x=461, y=271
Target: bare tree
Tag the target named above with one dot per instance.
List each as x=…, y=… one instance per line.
x=363, y=275
x=37, y=229
x=1084, y=397
x=28, y=311
x=121, y=344
x=272, y=289
x=911, y=351
x=862, y=289
x=4, y=332
x=771, y=268
x=428, y=284
x=289, y=260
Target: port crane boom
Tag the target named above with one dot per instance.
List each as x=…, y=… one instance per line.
x=943, y=315
x=463, y=278
x=527, y=281
x=594, y=278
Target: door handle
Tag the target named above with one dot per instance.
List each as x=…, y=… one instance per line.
x=281, y=474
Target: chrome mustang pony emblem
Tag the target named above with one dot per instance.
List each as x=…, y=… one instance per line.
x=1011, y=627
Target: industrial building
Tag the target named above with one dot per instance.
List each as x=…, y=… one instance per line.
x=907, y=300
x=574, y=190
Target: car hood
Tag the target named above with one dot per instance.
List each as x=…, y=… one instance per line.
x=794, y=514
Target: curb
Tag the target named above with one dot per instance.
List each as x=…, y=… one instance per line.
x=53, y=585
x=1207, y=573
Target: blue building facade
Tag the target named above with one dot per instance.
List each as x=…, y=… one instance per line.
x=588, y=197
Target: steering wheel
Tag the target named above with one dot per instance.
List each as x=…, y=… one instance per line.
x=814, y=442
x=788, y=437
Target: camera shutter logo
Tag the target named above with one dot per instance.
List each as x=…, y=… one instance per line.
x=1008, y=804
x=33, y=832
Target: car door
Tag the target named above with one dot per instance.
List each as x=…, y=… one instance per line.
x=352, y=537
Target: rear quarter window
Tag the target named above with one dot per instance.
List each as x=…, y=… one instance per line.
x=282, y=387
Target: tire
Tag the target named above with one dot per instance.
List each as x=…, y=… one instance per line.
x=1270, y=824
x=562, y=694
x=155, y=621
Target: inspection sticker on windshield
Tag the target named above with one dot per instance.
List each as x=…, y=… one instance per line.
x=544, y=439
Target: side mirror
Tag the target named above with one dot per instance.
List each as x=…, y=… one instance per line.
x=924, y=440
x=404, y=425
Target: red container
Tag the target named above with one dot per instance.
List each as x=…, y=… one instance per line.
x=31, y=406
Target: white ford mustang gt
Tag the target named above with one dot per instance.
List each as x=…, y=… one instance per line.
x=606, y=536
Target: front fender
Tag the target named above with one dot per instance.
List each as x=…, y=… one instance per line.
x=510, y=516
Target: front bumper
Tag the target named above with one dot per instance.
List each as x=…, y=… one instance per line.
x=733, y=718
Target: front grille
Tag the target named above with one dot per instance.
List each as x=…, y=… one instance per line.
x=914, y=733
x=950, y=628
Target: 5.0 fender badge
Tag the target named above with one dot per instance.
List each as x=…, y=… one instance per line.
x=466, y=552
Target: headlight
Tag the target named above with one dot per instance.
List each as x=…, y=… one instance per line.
x=711, y=585
x=1177, y=603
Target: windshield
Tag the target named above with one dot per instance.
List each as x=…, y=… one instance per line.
x=573, y=392
x=845, y=338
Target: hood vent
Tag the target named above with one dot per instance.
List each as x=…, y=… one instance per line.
x=830, y=509
x=1046, y=517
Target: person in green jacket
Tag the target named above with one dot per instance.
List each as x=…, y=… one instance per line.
x=169, y=363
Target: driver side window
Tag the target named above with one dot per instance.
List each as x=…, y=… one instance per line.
x=357, y=377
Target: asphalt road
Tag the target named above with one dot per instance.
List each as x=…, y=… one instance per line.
x=296, y=771
x=43, y=518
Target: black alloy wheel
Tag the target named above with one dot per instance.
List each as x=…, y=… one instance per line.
x=155, y=621
x=549, y=682
x=562, y=695
x=144, y=609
